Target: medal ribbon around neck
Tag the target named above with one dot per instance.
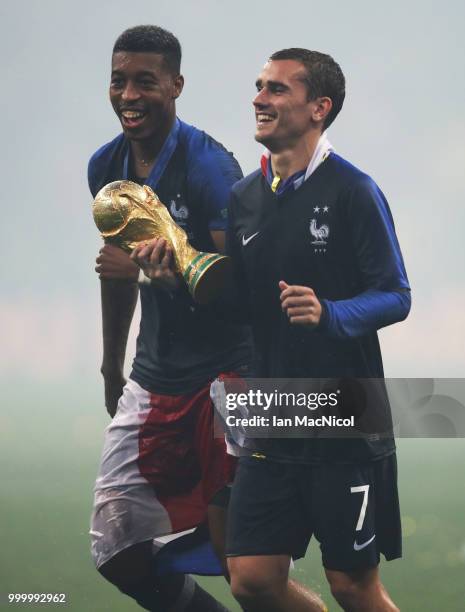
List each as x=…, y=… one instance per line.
x=278, y=186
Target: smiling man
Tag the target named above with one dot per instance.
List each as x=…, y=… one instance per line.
x=162, y=471
x=318, y=260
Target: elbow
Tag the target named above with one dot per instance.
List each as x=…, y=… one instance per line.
x=405, y=299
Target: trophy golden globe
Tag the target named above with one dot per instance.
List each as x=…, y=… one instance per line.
x=127, y=214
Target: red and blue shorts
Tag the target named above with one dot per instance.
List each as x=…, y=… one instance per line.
x=161, y=466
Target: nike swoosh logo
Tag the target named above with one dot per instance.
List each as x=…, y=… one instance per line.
x=360, y=546
x=245, y=241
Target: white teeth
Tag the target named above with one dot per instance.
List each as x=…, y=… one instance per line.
x=132, y=114
x=263, y=117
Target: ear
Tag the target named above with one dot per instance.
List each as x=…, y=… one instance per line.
x=321, y=109
x=178, y=85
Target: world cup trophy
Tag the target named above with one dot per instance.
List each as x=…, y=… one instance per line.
x=127, y=214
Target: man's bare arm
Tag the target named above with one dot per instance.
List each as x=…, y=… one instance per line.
x=119, y=291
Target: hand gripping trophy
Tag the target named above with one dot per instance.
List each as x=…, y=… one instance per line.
x=126, y=214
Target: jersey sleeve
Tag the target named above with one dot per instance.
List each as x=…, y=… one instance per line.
x=236, y=296
x=373, y=238
x=211, y=179
x=100, y=163
x=385, y=296
x=93, y=175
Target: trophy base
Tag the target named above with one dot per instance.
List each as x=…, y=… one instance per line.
x=206, y=275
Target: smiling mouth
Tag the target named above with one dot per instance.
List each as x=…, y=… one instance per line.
x=263, y=118
x=132, y=118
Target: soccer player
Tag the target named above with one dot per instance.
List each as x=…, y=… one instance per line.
x=162, y=471
x=319, y=262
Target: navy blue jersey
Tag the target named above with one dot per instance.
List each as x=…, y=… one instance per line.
x=336, y=235
x=181, y=345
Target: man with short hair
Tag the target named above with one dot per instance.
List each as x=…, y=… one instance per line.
x=162, y=471
x=318, y=260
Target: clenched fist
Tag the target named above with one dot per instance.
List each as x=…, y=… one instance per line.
x=114, y=263
x=300, y=304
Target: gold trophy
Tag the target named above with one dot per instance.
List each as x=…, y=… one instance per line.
x=127, y=214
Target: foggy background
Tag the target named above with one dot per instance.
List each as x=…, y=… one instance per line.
x=402, y=122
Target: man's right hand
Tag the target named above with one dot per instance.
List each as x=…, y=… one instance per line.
x=113, y=391
x=114, y=263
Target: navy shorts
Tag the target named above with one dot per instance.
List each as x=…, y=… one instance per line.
x=352, y=510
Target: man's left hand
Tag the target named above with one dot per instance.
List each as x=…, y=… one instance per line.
x=300, y=304
x=156, y=259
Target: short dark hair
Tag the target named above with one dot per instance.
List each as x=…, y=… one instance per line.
x=151, y=39
x=324, y=77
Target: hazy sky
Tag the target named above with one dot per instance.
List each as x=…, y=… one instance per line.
x=403, y=123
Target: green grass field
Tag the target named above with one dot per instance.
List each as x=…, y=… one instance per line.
x=50, y=444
